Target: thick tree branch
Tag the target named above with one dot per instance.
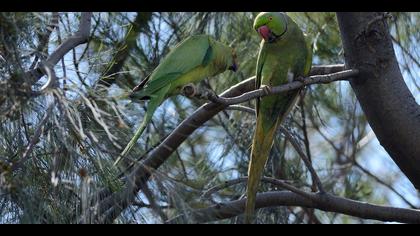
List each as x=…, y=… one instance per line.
x=324, y=202
x=388, y=104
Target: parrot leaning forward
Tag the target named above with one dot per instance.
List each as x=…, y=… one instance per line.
x=284, y=55
x=192, y=60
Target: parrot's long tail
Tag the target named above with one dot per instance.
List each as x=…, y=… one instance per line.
x=134, y=139
x=153, y=105
x=261, y=146
x=155, y=100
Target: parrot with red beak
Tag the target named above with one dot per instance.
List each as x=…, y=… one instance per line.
x=284, y=55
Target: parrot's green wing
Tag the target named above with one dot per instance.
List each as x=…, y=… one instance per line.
x=154, y=85
x=191, y=53
x=310, y=48
x=260, y=65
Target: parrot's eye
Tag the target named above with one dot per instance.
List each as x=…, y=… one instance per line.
x=270, y=18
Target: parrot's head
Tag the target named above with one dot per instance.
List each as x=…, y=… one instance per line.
x=270, y=25
x=234, y=66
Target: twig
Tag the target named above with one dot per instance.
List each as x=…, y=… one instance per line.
x=241, y=108
x=44, y=38
x=80, y=37
x=305, y=159
x=295, y=144
x=35, y=138
x=385, y=184
x=280, y=183
x=153, y=205
x=407, y=52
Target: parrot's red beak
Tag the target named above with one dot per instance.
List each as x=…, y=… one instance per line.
x=265, y=32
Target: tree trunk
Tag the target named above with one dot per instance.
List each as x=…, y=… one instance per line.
x=390, y=108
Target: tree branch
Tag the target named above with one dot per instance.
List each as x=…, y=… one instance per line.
x=265, y=91
x=80, y=37
x=241, y=108
x=388, y=104
x=324, y=202
x=295, y=144
x=35, y=138
x=367, y=172
x=277, y=182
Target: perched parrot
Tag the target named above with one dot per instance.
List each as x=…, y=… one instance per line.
x=192, y=60
x=284, y=55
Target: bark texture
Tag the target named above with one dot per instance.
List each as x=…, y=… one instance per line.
x=389, y=106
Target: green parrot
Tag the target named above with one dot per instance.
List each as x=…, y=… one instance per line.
x=284, y=55
x=192, y=60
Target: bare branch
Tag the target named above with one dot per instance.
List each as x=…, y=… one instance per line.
x=265, y=91
x=241, y=108
x=35, y=138
x=305, y=159
x=326, y=69
x=277, y=182
x=80, y=37
x=325, y=202
x=367, y=172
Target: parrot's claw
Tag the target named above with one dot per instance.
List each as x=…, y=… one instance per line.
x=211, y=94
x=266, y=89
x=300, y=79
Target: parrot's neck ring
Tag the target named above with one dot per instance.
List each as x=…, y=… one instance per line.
x=285, y=28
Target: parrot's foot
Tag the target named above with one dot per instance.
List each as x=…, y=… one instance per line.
x=300, y=79
x=189, y=90
x=210, y=95
x=266, y=89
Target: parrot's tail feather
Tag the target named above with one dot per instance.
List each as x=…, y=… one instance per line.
x=261, y=146
x=154, y=103
x=133, y=140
